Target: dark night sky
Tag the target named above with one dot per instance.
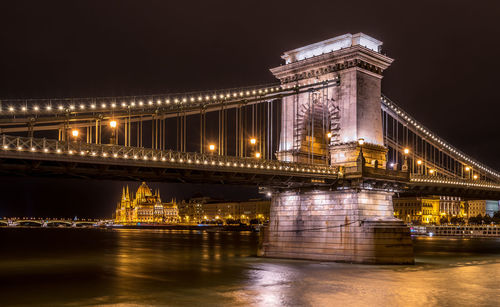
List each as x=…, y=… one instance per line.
x=445, y=73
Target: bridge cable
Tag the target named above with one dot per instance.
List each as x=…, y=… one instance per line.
x=324, y=228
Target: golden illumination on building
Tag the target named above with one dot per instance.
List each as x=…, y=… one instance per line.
x=428, y=210
x=145, y=208
x=201, y=209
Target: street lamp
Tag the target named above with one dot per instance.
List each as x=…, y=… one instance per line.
x=211, y=147
x=74, y=133
x=431, y=171
x=257, y=155
x=253, y=141
x=329, y=134
x=475, y=177
x=419, y=163
x=406, y=151
x=113, y=125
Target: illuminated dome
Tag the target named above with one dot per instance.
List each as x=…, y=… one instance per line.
x=143, y=191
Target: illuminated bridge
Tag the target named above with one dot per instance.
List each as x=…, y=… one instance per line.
x=323, y=128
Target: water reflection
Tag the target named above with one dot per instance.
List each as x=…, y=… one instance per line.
x=105, y=267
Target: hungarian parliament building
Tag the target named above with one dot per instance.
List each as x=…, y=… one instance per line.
x=145, y=208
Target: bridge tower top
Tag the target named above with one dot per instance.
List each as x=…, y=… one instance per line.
x=330, y=45
x=348, y=112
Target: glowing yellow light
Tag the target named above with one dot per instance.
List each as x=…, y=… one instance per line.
x=361, y=141
x=329, y=134
x=253, y=141
x=431, y=171
x=419, y=162
x=112, y=124
x=475, y=177
x=406, y=151
x=467, y=168
x=257, y=155
x=211, y=147
x=74, y=133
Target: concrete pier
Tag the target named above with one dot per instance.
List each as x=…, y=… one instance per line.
x=346, y=226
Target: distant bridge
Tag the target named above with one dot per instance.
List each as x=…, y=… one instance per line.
x=15, y=222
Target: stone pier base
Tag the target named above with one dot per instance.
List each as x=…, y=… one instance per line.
x=345, y=226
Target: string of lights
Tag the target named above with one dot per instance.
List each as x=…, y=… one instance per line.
x=453, y=181
x=24, y=107
x=437, y=141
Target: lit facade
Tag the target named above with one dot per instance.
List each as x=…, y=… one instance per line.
x=204, y=208
x=417, y=209
x=482, y=207
x=451, y=206
x=476, y=207
x=145, y=208
x=430, y=210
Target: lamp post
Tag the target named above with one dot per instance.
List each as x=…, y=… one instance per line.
x=468, y=170
x=254, y=150
x=211, y=148
x=113, y=139
x=361, y=158
x=406, y=152
x=74, y=133
x=419, y=165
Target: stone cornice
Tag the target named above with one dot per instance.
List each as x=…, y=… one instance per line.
x=355, y=56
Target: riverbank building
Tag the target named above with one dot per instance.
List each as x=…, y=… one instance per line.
x=145, y=207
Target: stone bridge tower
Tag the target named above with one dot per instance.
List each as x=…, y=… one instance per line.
x=327, y=123
x=352, y=221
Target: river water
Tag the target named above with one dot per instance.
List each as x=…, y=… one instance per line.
x=82, y=267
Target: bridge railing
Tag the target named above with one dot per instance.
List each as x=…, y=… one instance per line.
x=42, y=146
